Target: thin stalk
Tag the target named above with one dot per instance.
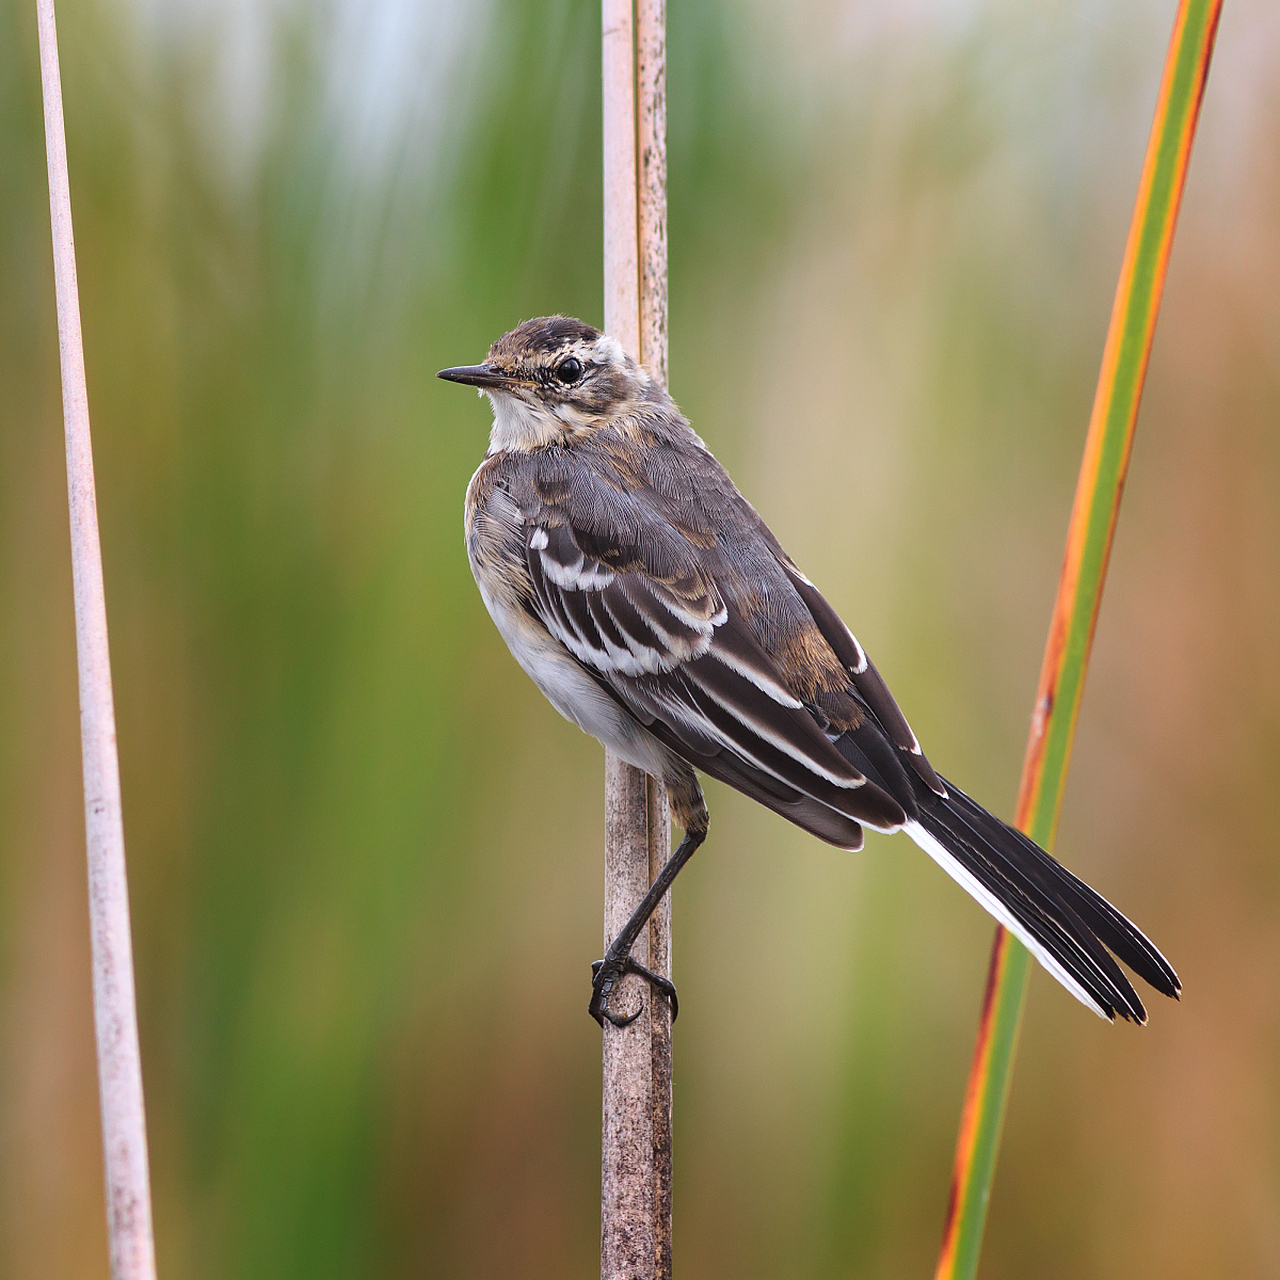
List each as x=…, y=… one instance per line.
x=124, y=1134
x=1089, y=538
x=635, y=1229
x=651, y=152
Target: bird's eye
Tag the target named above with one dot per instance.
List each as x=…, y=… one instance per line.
x=569, y=370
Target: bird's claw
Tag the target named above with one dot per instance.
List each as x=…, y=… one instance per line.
x=604, y=979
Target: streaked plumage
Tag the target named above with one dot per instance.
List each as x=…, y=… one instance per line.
x=655, y=609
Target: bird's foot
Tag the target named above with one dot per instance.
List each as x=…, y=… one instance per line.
x=604, y=982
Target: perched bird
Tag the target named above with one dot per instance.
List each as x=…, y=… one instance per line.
x=655, y=609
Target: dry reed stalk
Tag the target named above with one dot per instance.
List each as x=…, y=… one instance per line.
x=635, y=1235
x=124, y=1134
x=651, y=149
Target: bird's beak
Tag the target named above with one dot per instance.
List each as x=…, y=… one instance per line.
x=480, y=375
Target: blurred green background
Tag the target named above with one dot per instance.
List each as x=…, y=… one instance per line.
x=365, y=855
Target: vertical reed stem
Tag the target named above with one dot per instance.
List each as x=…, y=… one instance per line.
x=635, y=1237
x=124, y=1136
x=651, y=148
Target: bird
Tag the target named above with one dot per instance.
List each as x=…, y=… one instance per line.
x=655, y=609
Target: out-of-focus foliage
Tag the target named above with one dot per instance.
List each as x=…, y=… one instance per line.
x=364, y=854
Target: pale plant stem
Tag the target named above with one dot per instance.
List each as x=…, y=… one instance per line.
x=124, y=1136
x=635, y=1236
x=651, y=152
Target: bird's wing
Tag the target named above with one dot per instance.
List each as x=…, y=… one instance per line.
x=866, y=679
x=647, y=614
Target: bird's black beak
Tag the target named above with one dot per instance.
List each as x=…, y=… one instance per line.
x=480, y=375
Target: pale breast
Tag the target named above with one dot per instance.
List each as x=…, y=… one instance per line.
x=496, y=547
x=495, y=530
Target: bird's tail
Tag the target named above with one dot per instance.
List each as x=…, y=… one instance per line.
x=1064, y=923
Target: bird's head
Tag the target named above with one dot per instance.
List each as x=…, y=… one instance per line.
x=551, y=379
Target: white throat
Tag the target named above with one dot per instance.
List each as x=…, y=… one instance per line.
x=519, y=426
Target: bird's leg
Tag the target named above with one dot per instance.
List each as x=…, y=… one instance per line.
x=617, y=960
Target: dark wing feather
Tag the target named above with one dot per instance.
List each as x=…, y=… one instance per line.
x=809, y=814
x=866, y=679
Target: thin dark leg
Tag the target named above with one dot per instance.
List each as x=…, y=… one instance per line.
x=617, y=960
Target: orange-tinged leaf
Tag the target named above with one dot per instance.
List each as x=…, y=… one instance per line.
x=1089, y=536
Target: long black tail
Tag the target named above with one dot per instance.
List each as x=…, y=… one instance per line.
x=1065, y=924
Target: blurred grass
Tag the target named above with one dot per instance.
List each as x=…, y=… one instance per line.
x=364, y=854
